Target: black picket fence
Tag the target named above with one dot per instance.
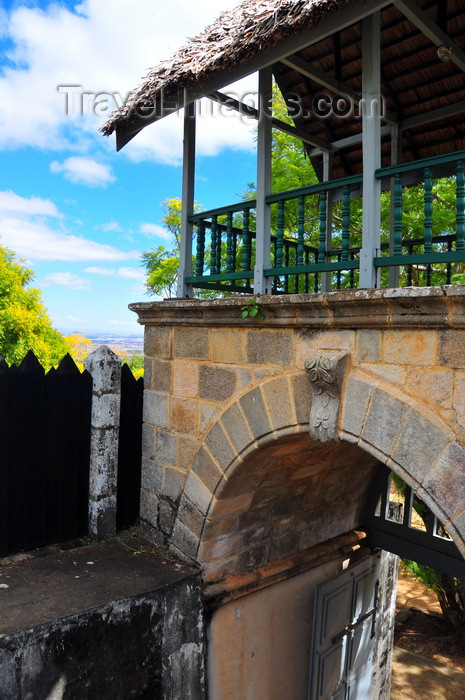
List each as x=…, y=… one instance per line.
x=130, y=449
x=45, y=427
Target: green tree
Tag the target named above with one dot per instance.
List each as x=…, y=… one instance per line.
x=162, y=263
x=24, y=323
x=136, y=365
x=79, y=346
x=162, y=271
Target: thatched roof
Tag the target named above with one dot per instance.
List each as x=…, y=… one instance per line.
x=237, y=36
x=414, y=79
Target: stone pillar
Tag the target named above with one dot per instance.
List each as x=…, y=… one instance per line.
x=105, y=368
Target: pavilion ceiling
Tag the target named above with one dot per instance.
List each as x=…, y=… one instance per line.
x=414, y=82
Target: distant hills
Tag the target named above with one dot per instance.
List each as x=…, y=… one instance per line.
x=120, y=344
x=107, y=339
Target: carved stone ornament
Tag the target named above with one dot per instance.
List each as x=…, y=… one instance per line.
x=325, y=372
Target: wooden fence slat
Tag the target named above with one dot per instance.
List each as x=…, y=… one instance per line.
x=53, y=451
x=34, y=475
x=3, y=457
x=15, y=466
x=130, y=449
x=69, y=395
x=66, y=415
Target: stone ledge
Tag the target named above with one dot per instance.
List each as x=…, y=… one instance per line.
x=430, y=307
x=41, y=589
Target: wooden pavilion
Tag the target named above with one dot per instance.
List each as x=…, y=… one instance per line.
x=376, y=93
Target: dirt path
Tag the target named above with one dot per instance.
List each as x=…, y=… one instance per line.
x=411, y=594
x=417, y=677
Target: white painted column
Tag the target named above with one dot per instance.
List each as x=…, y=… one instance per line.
x=188, y=175
x=371, y=143
x=262, y=285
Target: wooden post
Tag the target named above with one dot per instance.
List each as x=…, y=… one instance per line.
x=327, y=170
x=396, y=150
x=371, y=144
x=188, y=175
x=262, y=285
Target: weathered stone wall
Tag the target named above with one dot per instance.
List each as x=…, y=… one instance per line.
x=233, y=480
x=149, y=646
x=220, y=389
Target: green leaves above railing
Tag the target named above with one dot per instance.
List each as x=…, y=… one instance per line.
x=428, y=259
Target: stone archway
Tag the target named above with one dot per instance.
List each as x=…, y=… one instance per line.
x=281, y=501
x=280, y=517
x=270, y=513
x=269, y=423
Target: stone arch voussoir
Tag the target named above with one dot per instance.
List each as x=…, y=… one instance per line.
x=263, y=414
x=399, y=431
x=412, y=441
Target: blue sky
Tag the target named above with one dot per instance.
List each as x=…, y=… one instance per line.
x=76, y=211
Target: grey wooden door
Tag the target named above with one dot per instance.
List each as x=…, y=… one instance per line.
x=343, y=626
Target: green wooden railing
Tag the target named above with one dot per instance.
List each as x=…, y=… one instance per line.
x=316, y=235
x=428, y=254
x=225, y=241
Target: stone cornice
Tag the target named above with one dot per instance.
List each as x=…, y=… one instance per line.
x=410, y=307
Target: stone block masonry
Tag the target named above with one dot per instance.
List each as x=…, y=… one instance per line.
x=227, y=397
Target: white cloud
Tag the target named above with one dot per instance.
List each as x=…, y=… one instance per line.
x=156, y=230
x=12, y=203
x=100, y=271
x=84, y=171
x=130, y=273
x=105, y=53
x=126, y=272
x=27, y=226
x=37, y=241
x=67, y=279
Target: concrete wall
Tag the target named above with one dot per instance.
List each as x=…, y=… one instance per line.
x=149, y=647
x=261, y=643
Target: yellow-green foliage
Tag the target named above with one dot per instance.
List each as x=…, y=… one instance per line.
x=24, y=323
x=79, y=346
x=136, y=365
